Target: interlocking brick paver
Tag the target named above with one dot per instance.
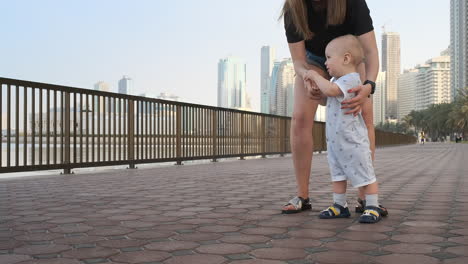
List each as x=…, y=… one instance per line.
x=41, y=249
x=258, y=261
x=141, y=256
x=349, y=245
x=296, y=243
x=418, y=238
x=411, y=248
x=13, y=259
x=90, y=253
x=122, y=243
x=406, y=258
x=172, y=245
x=196, y=259
x=247, y=239
x=363, y=236
x=52, y=261
x=223, y=249
x=460, y=260
x=229, y=212
x=340, y=257
x=279, y=253
x=197, y=236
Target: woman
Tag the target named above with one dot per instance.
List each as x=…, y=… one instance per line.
x=310, y=25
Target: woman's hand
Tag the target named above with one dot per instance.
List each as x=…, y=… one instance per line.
x=355, y=103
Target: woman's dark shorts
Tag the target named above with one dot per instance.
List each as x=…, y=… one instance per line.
x=315, y=60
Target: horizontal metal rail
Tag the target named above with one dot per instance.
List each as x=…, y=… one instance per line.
x=46, y=126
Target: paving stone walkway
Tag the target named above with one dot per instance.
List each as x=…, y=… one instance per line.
x=229, y=212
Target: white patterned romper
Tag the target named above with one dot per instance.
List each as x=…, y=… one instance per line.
x=349, y=155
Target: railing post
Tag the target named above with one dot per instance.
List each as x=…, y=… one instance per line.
x=214, y=132
x=283, y=137
x=263, y=131
x=242, y=132
x=66, y=156
x=131, y=134
x=179, y=135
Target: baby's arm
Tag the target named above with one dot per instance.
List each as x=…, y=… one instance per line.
x=328, y=88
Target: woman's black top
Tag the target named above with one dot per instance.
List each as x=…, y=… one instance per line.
x=357, y=22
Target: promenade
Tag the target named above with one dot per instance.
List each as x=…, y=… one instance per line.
x=229, y=212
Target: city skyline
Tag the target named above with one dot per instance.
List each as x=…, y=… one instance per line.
x=176, y=50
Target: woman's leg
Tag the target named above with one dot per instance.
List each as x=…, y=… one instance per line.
x=302, y=145
x=368, y=116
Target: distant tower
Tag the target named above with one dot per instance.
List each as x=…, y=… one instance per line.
x=232, y=79
x=283, y=88
x=391, y=65
x=125, y=85
x=101, y=86
x=267, y=62
x=379, y=99
x=458, y=45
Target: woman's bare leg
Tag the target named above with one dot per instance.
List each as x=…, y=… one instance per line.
x=302, y=144
x=368, y=116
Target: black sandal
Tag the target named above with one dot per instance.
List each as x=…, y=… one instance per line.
x=332, y=212
x=362, y=204
x=300, y=204
x=371, y=215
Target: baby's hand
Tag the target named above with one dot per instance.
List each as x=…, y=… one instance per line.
x=309, y=75
x=312, y=90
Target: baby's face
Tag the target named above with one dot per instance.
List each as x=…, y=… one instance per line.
x=335, y=60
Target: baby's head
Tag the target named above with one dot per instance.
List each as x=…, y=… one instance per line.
x=343, y=55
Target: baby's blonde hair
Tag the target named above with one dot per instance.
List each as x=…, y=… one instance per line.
x=351, y=44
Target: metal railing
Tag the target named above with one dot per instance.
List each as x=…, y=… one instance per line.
x=46, y=126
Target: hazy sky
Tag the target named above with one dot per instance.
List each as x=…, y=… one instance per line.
x=174, y=46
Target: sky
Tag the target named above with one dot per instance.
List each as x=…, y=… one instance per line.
x=175, y=46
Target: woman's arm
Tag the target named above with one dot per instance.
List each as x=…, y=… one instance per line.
x=371, y=55
x=298, y=55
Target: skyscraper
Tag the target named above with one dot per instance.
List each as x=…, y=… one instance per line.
x=101, y=86
x=407, y=86
x=458, y=45
x=282, y=88
x=232, y=78
x=379, y=99
x=391, y=65
x=267, y=62
x=125, y=85
x=433, y=85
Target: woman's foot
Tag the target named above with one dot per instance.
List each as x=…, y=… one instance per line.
x=335, y=211
x=296, y=205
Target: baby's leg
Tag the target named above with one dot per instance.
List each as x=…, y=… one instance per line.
x=339, y=209
x=339, y=193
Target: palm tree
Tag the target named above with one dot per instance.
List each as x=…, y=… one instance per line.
x=459, y=114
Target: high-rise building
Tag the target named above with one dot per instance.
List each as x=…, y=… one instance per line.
x=101, y=86
x=433, y=85
x=407, y=86
x=458, y=45
x=391, y=65
x=273, y=86
x=267, y=62
x=282, y=89
x=422, y=84
x=379, y=99
x=125, y=85
x=232, y=79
